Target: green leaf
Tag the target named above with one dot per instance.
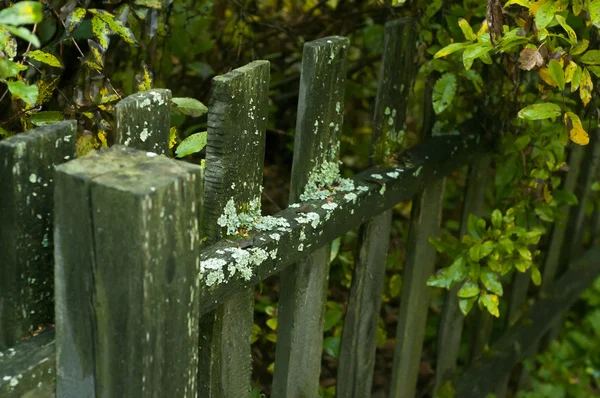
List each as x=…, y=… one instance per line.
x=570, y=32
x=491, y=281
x=74, y=19
x=10, y=44
x=9, y=68
x=543, y=110
x=595, y=69
x=490, y=302
x=469, y=289
x=522, y=142
x=272, y=323
x=466, y=29
x=557, y=74
x=149, y=3
x=443, y=92
x=21, y=90
x=497, y=218
x=545, y=14
x=475, y=252
x=566, y=197
x=45, y=58
x=46, y=117
x=457, y=271
x=192, y=144
x=486, y=248
x=474, y=51
x=592, y=57
x=449, y=49
x=536, y=276
x=466, y=304
x=190, y=106
x=395, y=285
x=331, y=346
x=576, y=79
x=524, y=252
x=24, y=34
x=22, y=13
x=332, y=317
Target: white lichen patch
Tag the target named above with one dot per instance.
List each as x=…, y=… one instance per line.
x=301, y=247
x=294, y=205
x=350, y=197
x=377, y=176
x=393, y=174
x=329, y=206
x=144, y=134
x=275, y=237
x=151, y=154
x=32, y=178
x=387, y=111
x=362, y=188
x=309, y=218
x=245, y=260
x=270, y=223
x=338, y=107
x=302, y=235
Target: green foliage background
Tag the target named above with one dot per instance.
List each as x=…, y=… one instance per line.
x=523, y=72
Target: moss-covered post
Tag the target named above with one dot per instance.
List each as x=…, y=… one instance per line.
x=127, y=275
x=357, y=349
x=304, y=284
x=237, y=123
x=425, y=222
x=27, y=163
x=143, y=121
x=452, y=319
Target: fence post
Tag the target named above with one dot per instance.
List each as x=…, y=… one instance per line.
x=452, y=319
x=357, y=348
x=304, y=285
x=235, y=152
x=127, y=272
x=27, y=163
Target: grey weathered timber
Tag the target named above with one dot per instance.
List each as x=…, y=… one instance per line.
x=425, y=220
x=127, y=275
x=27, y=163
x=143, y=121
x=517, y=342
x=304, y=285
x=357, y=348
x=27, y=369
x=319, y=225
x=235, y=151
x=452, y=319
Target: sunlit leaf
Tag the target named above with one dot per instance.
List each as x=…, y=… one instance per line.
x=44, y=57
x=523, y=3
x=46, y=117
x=536, y=276
x=192, y=144
x=544, y=110
x=449, y=49
x=101, y=31
x=490, y=302
x=115, y=25
x=466, y=29
x=21, y=90
x=443, y=92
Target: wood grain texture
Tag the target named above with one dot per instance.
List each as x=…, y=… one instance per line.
x=127, y=275
x=143, y=121
x=27, y=163
x=304, y=285
x=237, y=123
x=358, y=343
x=452, y=319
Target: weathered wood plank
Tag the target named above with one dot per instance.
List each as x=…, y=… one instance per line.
x=304, y=285
x=318, y=222
x=27, y=163
x=517, y=342
x=237, y=122
x=357, y=348
x=127, y=275
x=452, y=319
x=27, y=370
x=143, y=121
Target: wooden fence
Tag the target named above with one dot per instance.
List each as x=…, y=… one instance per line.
x=131, y=255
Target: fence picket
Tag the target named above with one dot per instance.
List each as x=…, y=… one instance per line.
x=452, y=319
x=143, y=120
x=26, y=244
x=304, y=285
x=235, y=153
x=357, y=347
x=425, y=219
x=127, y=273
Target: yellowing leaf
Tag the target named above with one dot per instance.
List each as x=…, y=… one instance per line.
x=576, y=79
x=172, y=137
x=585, y=87
x=544, y=110
x=570, y=32
x=576, y=132
x=490, y=302
x=466, y=29
x=570, y=71
x=547, y=194
x=46, y=58
x=522, y=3
x=101, y=31
x=545, y=75
x=536, y=276
x=449, y=49
x=115, y=25
x=580, y=48
x=74, y=19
